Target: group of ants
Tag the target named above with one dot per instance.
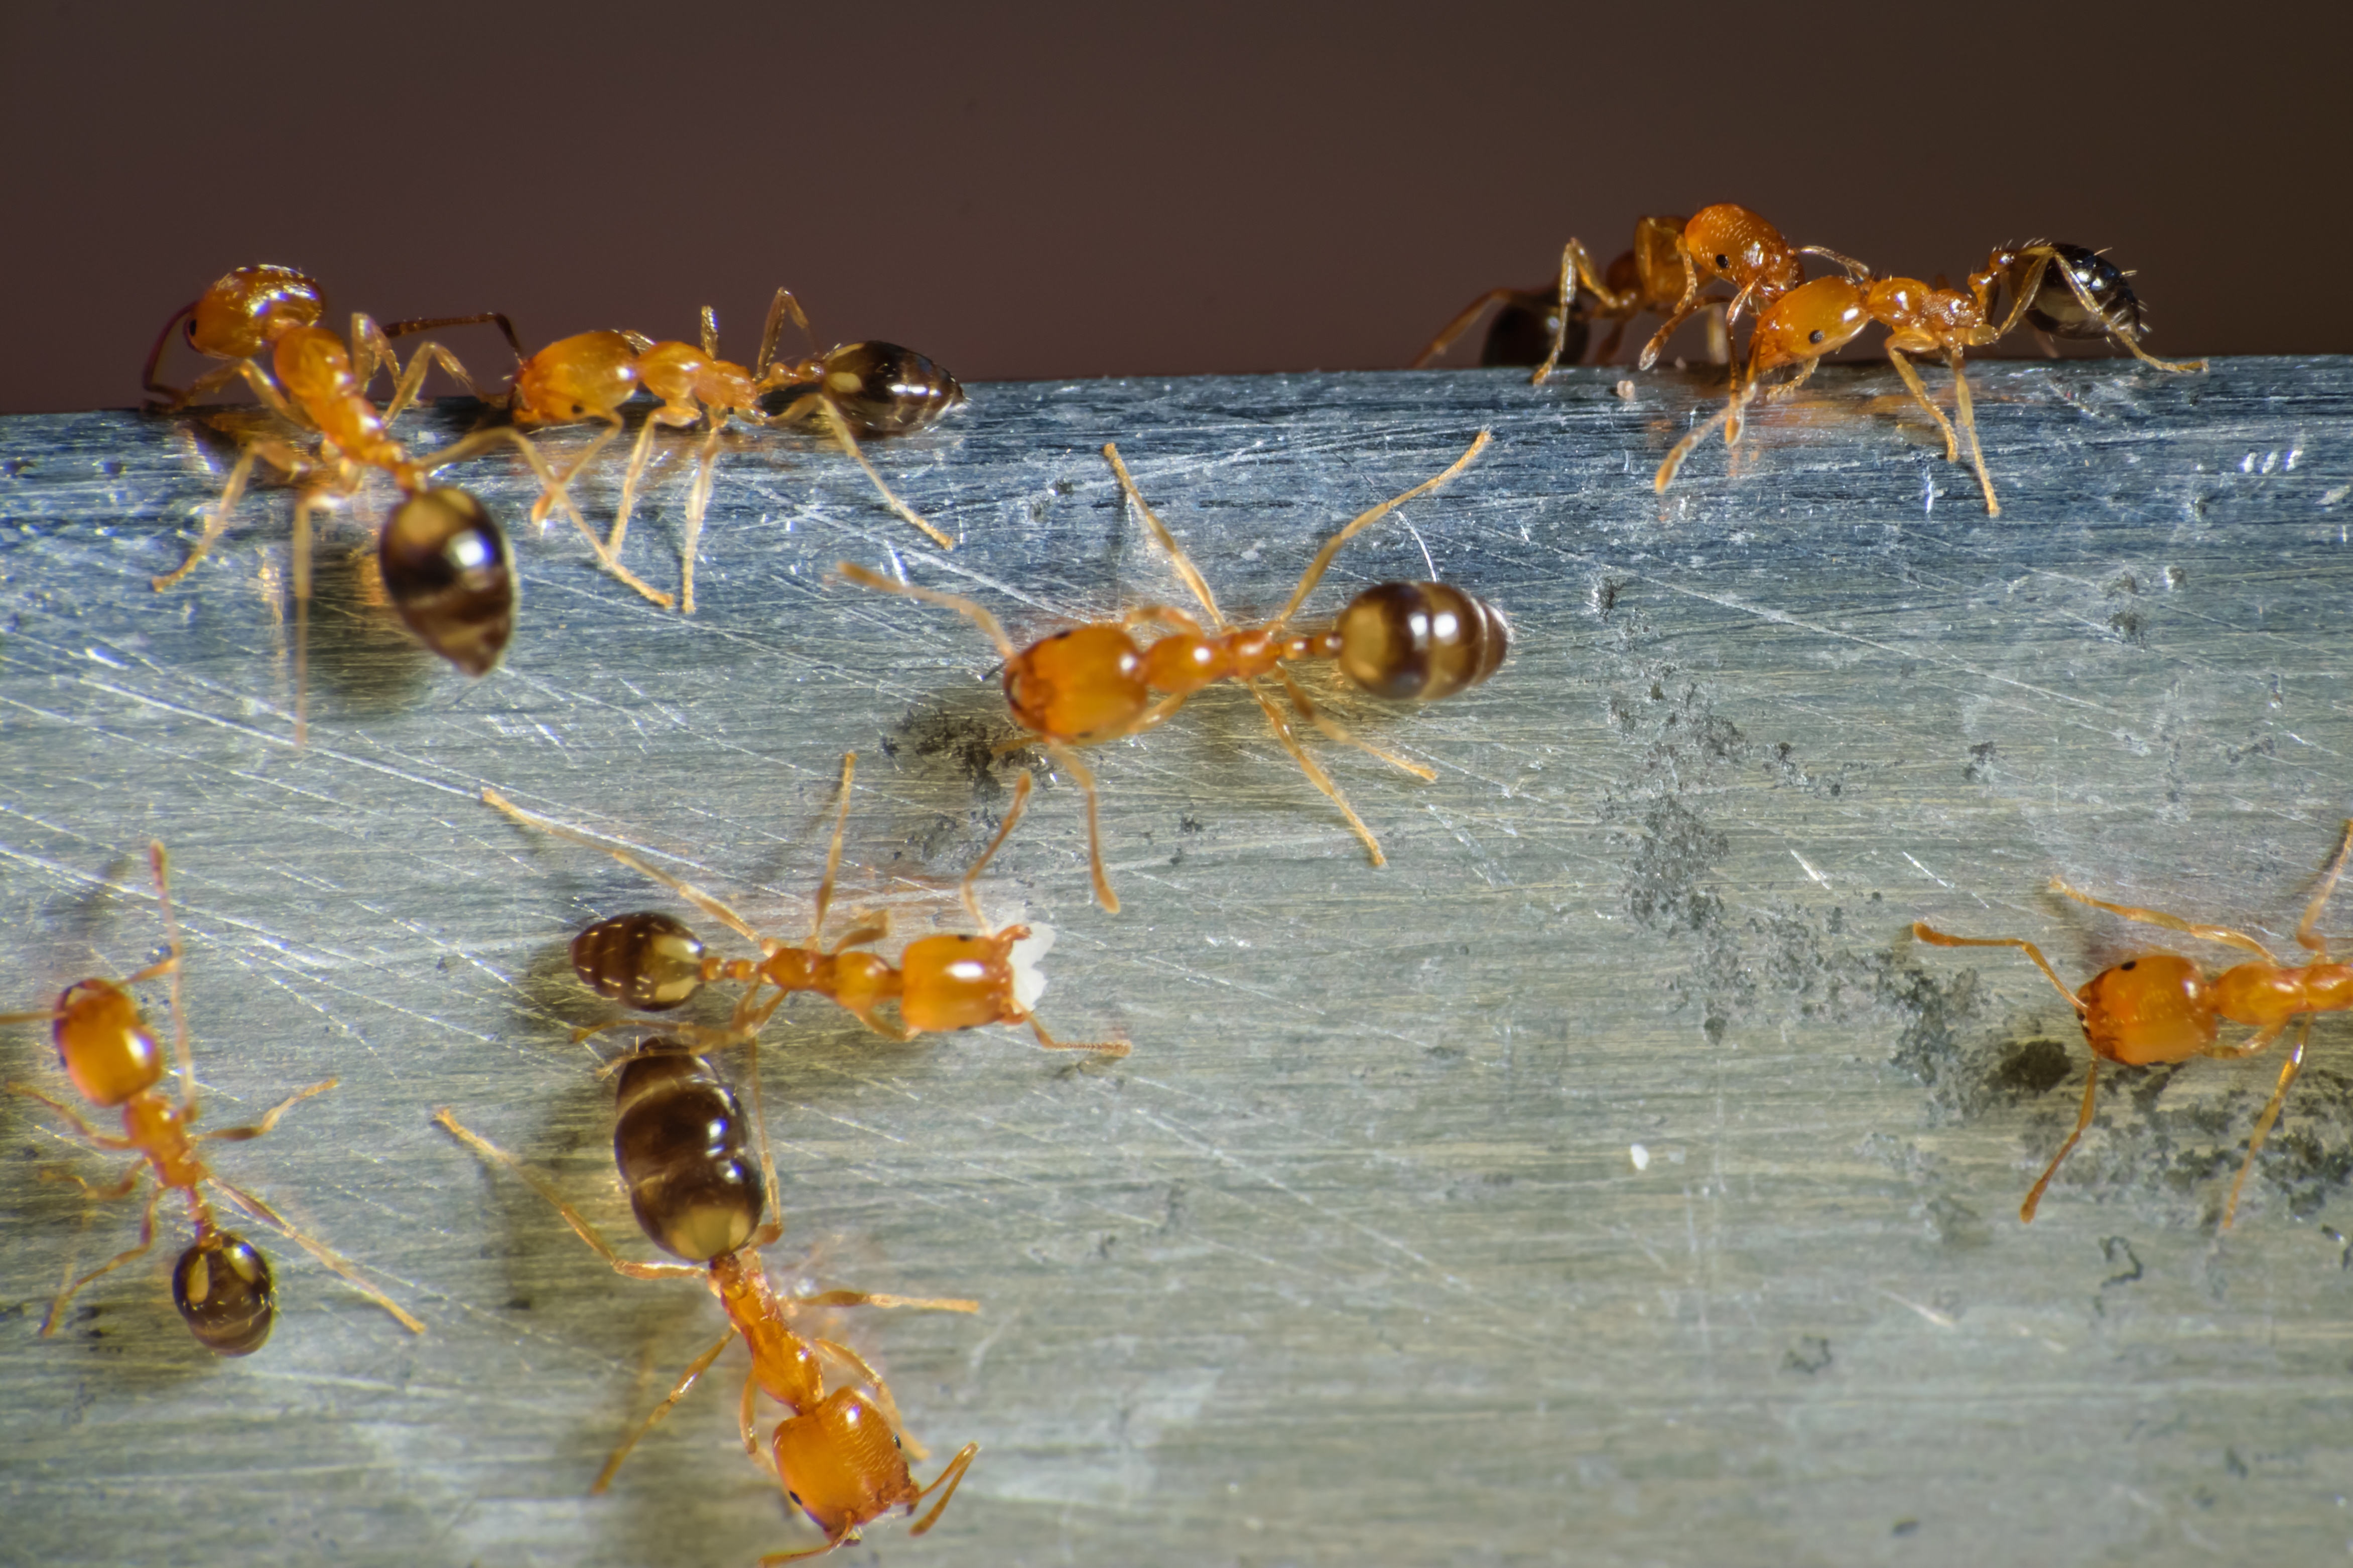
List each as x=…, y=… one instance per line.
x=683, y=1142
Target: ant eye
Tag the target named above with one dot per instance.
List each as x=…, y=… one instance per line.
x=2128, y=963
x=1724, y=262
x=796, y=1499
x=1815, y=336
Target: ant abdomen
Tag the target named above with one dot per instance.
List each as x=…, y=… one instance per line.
x=223, y=1290
x=2056, y=309
x=683, y=1148
x=646, y=961
x=447, y=571
x=1420, y=640
x=885, y=390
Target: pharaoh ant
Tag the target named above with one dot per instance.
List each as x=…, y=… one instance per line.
x=1092, y=683
x=2159, y=1007
x=679, y=1140
x=1821, y=317
x=653, y=962
x=222, y=1285
x=876, y=389
x=444, y=558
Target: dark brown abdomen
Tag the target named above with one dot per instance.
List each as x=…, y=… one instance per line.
x=1420, y=640
x=683, y=1147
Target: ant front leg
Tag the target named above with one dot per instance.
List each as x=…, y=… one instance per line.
x=72, y=1118
x=1462, y=323
x=2083, y=1119
x=262, y=1127
x=2170, y=923
x=279, y=454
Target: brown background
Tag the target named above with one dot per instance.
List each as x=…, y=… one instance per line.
x=1079, y=192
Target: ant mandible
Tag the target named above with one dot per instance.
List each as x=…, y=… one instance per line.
x=1094, y=683
x=2070, y=291
x=221, y=1285
x=876, y=387
x=653, y=962
x=679, y=1140
x=1821, y=317
x=2157, y=1007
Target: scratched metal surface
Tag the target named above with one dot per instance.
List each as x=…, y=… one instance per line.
x=1351, y=1260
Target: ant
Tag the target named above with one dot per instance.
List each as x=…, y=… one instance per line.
x=653, y=962
x=1092, y=683
x=2069, y=291
x=679, y=1140
x=2158, y=1006
x=877, y=389
x=1821, y=317
x=222, y=1284
x=444, y=559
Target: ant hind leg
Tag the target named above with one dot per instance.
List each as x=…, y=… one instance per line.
x=146, y=1243
x=1315, y=773
x=694, y=1370
x=333, y=1260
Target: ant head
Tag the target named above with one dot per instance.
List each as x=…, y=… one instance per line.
x=959, y=981
x=2151, y=1008
x=104, y=1044
x=1078, y=682
x=223, y=1290
x=250, y=308
x=1731, y=242
x=1808, y=322
x=841, y=1464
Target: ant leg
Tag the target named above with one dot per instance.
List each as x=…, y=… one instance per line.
x=146, y=1242
x=1332, y=728
x=551, y=485
x=833, y=851
x=951, y=1477
x=777, y=309
x=159, y=862
x=1453, y=329
x=1365, y=519
x=777, y=1559
x=1185, y=568
x=694, y=1370
x=480, y=317
x=304, y=505
x=260, y=1128
x=1919, y=391
x=2271, y=1112
x=216, y=521
x=1315, y=775
x=1607, y=353
x=697, y=502
x=1679, y=315
x=2092, y=308
x=640, y=454
x=326, y=1255
x=97, y=1140
x=211, y=380
x=1969, y=426
x=1101, y=1048
x=687, y=890
x=2304, y=933
x=1086, y=780
x=2083, y=1119
x=990, y=626
x=839, y=427
x=1683, y=448
x=2171, y=922
x=427, y=355
x=1719, y=336
x=1923, y=932
x=1576, y=265
x=1004, y=831
x=572, y=1216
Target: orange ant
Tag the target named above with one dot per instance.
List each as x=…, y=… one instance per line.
x=653, y=962
x=876, y=388
x=2158, y=1006
x=1821, y=317
x=1094, y=683
x=1544, y=326
x=444, y=559
x=679, y=1138
x=222, y=1285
